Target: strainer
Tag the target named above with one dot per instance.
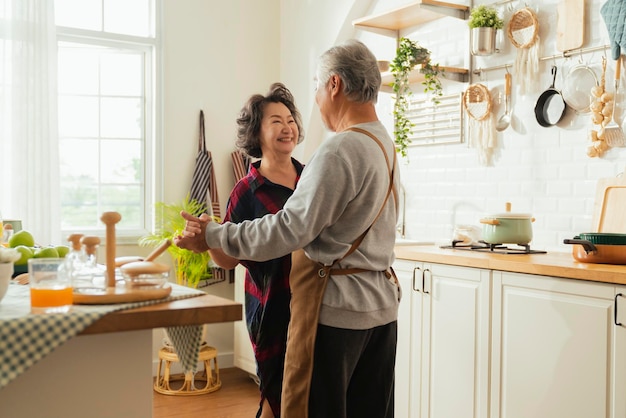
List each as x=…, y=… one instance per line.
x=576, y=90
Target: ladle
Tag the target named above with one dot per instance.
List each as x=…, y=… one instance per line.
x=505, y=120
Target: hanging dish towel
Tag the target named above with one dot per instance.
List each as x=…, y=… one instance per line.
x=203, y=183
x=614, y=14
x=204, y=190
x=241, y=163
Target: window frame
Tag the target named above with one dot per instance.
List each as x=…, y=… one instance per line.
x=152, y=150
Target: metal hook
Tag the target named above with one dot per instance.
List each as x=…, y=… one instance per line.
x=506, y=67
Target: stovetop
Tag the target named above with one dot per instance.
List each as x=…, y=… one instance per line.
x=493, y=248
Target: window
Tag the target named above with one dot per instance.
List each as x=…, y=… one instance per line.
x=107, y=51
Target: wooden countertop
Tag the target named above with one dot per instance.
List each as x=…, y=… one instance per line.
x=551, y=264
x=205, y=309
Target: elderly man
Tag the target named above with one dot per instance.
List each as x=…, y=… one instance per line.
x=340, y=225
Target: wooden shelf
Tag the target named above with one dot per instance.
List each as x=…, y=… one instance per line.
x=412, y=14
x=450, y=73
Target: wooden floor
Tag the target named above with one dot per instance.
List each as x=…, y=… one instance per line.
x=237, y=398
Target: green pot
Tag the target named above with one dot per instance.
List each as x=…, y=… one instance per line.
x=508, y=228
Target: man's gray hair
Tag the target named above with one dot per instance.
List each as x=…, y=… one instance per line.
x=356, y=65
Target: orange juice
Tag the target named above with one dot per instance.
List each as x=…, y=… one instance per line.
x=50, y=297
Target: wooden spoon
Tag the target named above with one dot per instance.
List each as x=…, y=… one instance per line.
x=120, y=261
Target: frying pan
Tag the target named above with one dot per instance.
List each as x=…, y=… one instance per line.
x=550, y=105
x=599, y=248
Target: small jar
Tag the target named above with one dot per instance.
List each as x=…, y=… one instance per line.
x=145, y=275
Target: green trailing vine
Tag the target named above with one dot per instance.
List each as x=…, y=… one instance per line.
x=408, y=55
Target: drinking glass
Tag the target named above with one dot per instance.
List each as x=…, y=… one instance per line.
x=50, y=285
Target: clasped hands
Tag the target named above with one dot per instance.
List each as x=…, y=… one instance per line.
x=193, y=236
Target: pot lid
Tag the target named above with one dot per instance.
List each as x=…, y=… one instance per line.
x=603, y=238
x=510, y=215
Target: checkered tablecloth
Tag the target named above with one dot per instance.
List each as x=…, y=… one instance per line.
x=26, y=338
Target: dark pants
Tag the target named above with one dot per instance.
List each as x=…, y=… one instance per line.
x=353, y=372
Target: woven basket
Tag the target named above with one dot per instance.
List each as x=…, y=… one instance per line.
x=477, y=101
x=523, y=28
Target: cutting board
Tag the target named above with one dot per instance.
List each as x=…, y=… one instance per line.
x=120, y=294
x=610, y=205
x=570, y=26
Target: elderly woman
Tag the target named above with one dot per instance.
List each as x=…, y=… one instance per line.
x=342, y=335
x=269, y=128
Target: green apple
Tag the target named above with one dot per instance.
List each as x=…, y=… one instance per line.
x=62, y=250
x=47, y=252
x=22, y=237
x=26, y=253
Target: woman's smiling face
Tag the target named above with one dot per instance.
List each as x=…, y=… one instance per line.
x=279, y=131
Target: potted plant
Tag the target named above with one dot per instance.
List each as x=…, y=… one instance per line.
x=408, y=55
x=484, y=23
x=191, y=268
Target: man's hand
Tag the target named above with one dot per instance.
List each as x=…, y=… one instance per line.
x=193, y=236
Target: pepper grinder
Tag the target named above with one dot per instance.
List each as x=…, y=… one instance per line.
x=110, y=219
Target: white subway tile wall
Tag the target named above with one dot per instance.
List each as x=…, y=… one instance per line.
x=542, y=171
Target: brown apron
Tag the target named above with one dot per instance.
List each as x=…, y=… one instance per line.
x=308, y=280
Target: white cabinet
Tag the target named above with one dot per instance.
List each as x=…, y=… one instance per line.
x=445, y=373
x=244, y=356
x=556, y=352
x=495, y=344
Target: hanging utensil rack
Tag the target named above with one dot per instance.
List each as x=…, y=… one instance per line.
x=565, y=54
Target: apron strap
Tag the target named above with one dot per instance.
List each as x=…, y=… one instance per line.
x=390, y=189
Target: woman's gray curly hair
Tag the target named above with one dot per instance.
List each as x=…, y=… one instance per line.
x=356, y=65
x=251, y=115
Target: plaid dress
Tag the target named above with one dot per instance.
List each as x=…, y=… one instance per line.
x=267, y=293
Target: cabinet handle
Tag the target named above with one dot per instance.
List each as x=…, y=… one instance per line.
x=414, y=270
x=423, y=280
x=615, y=311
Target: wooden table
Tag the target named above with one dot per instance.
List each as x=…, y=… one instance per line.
x=107, y=370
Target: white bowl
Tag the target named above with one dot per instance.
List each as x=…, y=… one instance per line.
x=6, y=271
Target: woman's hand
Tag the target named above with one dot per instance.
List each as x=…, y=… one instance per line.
x=192, y=237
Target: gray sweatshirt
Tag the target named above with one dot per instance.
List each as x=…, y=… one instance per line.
x=338, y=196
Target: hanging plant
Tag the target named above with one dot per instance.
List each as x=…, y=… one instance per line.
x=485, y=17
x=408, y=55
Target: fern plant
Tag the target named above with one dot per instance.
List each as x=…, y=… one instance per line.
x=191, y=267
x=408, y=55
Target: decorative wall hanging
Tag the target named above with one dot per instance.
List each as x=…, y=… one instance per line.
x=482, y=131
x=523, y=32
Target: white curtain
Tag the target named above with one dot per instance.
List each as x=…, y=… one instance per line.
x=29, y=152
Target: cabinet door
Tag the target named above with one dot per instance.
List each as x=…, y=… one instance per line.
x=407, y=356
x=553, y=347
x=244, y=355
x=619, y=353
x=455, y=342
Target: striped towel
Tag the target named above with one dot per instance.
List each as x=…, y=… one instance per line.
x=241, y=162
x=203, y=178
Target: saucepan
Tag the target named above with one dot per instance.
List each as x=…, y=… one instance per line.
x=599, y=248
x=508, y=228
x=550, y=106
